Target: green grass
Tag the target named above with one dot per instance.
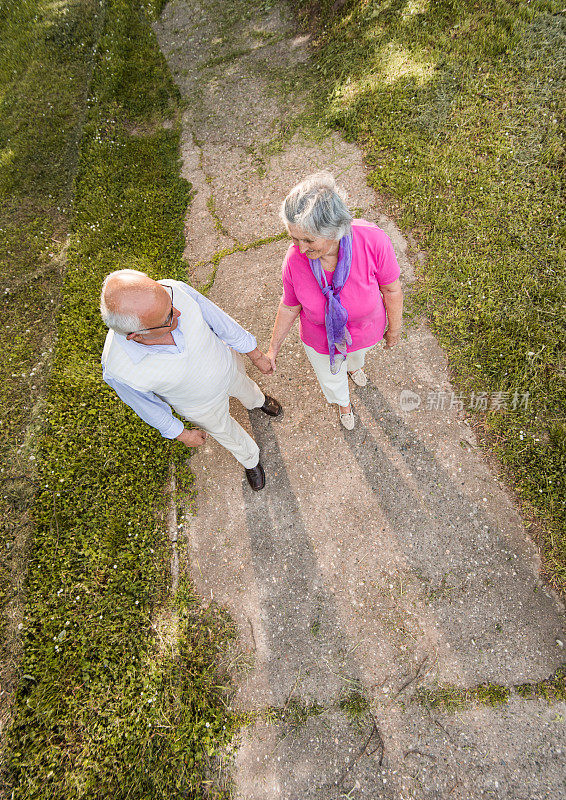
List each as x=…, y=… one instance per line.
x=103, y=708
x=356, y=705
x=457, y=106
x=296, y=713
x=45, y=66
x=452, y=698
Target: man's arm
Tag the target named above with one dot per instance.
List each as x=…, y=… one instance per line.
x=155, y=412
x=230, y=331
x=222, y=323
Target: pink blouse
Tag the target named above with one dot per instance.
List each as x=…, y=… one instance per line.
x=373, y=265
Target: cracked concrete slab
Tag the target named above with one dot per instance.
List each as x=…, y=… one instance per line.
x=203, y=236
x=515, y=752
x=250, y=196
x=375, y=562
x=327, y=755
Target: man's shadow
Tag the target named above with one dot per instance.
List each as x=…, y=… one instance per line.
x=309, y=664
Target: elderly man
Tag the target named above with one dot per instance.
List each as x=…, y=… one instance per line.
x=169, y=346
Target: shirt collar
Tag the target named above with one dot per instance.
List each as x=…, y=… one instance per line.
x=137, y=351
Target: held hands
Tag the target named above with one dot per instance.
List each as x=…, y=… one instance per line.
x=192, y=438
x=262, y=362
x=264, y=365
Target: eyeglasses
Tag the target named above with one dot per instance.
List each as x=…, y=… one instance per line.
x=168, y=321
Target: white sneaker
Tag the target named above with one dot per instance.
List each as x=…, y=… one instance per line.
x=359, y=377
x=347, y=420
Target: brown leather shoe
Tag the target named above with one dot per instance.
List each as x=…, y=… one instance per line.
x=271, y=406
x=256, y=477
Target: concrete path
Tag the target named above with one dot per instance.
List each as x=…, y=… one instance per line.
x=375, y=563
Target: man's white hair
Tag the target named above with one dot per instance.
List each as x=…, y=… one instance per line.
x=318, y=206
x=117, y=320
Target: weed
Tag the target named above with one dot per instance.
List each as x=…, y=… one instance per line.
x=356, y=705
x=552, y=689
x=211, y=206
x=297, y=713
x=452, y=698
x=232, y=55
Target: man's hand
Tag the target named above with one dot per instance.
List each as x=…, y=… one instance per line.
x=392, y=338
x=192, y=438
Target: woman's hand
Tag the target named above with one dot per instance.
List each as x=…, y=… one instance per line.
x=391, y=338
x=272, y=356
x=259, y=360
x=286, y=315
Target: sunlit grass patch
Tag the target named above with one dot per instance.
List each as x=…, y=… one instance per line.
x=414, y=7
x=395, y=63
x=42, y=98
x=400, y=63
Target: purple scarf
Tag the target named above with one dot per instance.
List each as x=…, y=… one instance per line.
x=335, y=315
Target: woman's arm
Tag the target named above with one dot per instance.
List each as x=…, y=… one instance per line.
x=393, y=301
x=286, y=315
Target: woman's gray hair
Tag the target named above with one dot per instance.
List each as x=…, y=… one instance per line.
x=117, y=320
x=317, y=206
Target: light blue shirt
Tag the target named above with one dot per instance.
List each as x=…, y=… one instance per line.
x=147, y=405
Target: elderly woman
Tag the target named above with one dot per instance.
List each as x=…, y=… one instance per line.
x=341, y=276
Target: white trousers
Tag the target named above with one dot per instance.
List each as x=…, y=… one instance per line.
x=221, y=426
x=335, y=387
